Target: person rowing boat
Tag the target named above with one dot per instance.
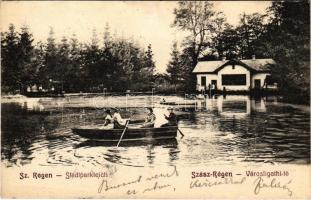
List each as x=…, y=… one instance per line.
x=125, y=131
x=118, y=122
x=172, y=118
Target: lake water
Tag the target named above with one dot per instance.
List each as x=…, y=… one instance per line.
x=222, y=131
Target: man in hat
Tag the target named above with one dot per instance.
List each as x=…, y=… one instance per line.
x=172, y=118
x=118, y=122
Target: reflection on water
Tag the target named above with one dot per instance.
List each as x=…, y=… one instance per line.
x=230, y=130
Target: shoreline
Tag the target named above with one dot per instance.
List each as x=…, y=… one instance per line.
x=304, y=106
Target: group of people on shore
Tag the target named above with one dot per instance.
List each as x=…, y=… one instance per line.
x=150, y=118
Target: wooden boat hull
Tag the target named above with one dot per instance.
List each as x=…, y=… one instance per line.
x=43, y=94
x=178, y=103
x=171, y=142
x=130, y=134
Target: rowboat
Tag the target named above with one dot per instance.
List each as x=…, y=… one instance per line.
x=182, y=103
x=131, y=133
x=43, y=94
x=129, y=143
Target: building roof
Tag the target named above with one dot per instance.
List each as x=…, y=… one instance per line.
x=208, y=66
x=257, y=65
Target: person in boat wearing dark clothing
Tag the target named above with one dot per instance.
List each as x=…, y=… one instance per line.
x=172, y=118
x=108, y=118
x=150, y=118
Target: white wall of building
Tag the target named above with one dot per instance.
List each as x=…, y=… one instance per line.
x=199, y=84
x=209, y=78
x=261, y=76
x=199, y=78
x=230, y=70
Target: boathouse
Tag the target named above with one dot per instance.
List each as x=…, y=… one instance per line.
x=234, y=74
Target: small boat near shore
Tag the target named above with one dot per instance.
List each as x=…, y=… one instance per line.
x=173, y=103
x=43, y=94
x=132, y=133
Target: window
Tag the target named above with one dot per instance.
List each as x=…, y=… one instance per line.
x=234, y=79
x=203, y=80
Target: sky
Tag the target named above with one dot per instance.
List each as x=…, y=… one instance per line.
x=144, y=22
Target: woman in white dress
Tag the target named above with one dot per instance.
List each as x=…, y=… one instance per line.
x=118, y=122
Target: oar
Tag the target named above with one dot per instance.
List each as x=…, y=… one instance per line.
x=127, y=121
x=180, y=132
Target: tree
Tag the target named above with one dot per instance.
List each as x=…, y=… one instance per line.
x=250, y=30
x=38, y=64
x=94, y=41
x=122, y=67
x=288, y=42
x=107, y=37
x=49, y=72
x=201, y=22
x=188, y=79
x=243, y=41
x=10, y=67
x=26, y=56
x=174, y=66
x=91, y=59
x=228, y=42
x=132, y=66
x=148, y=65
x=120, y=64
x=75, y=77
x=64, y=63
